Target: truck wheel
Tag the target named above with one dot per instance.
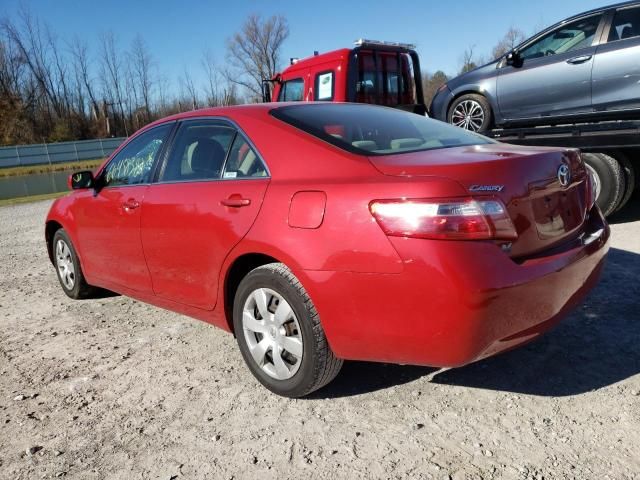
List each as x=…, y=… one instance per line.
x=630, y=177
x=471, y=112
x=610, y=180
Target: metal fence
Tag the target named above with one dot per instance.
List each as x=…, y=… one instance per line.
x=47, y=153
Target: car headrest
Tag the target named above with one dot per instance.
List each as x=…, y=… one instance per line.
x=208, y=157
x=627, y=32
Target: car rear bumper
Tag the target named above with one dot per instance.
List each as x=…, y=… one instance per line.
x=454, y=302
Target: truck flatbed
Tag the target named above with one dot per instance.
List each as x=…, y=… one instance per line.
x=586, y=136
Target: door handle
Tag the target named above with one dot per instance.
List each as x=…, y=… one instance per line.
x=580, y=59
x=130, y=204
x=236, y=201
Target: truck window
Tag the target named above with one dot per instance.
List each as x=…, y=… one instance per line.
x=324, y=86
x=394, y=71
x=292, y=91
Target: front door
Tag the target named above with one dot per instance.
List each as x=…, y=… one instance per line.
x=207, y=197
x=554, y=76
x=110, y=218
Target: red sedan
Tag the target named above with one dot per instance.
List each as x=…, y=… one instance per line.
x=323, y=232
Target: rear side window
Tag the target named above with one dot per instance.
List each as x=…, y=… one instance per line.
x=132, y=165
x=626, y=24
x=292, y=91
x=198, y=152
x=370, y=130
x=243, y=161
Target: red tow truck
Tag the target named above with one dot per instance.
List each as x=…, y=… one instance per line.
x=383, y=73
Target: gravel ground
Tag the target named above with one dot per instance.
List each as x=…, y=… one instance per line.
x=113, y=388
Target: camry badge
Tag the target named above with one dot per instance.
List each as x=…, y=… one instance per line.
x=486, y=188
x=564, y=175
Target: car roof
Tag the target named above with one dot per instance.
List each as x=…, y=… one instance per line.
x=601, y=9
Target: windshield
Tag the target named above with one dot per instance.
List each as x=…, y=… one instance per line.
x=370, y=130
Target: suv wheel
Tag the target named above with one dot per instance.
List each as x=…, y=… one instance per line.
x=471, y=112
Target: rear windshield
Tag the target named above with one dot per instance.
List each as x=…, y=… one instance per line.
x=370, y=130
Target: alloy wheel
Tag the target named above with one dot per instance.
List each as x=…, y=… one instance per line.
x=272, y=333
x=469, y=115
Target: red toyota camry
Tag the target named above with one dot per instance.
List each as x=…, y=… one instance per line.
x=323, y=232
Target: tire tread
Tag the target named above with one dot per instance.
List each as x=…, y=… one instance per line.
x=329, y=365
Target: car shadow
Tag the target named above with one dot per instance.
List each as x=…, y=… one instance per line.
x=596, y=346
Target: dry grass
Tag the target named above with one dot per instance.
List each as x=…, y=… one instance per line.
x=56, y=167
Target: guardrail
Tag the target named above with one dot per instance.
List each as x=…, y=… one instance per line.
x=48, y=153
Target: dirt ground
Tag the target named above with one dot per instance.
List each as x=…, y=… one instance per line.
x=113, y=388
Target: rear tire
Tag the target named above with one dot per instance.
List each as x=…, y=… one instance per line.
x=68, y=268
x=471, y=112
x=287, y=352
x=611, y=180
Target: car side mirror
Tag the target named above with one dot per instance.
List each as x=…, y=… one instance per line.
x=513, y=59
x=81, y=180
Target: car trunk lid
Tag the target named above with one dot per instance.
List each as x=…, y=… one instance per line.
x=528, y=180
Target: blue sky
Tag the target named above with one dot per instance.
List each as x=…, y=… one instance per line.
x=178, y=31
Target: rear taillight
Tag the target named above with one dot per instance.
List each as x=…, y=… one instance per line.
x=445, y=219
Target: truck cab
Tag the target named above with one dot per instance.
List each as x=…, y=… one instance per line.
x=381, y=73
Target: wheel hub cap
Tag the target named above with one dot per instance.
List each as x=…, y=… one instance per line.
x=272, y=333
x=64, y=262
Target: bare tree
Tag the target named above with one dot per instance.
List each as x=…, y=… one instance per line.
x=80, y=56
x=188, y=89
x=511, y=39
x=214, y=79
x=141, y=64
x=111, y=72
x=431, y=84
x=468, y=60
x=254, y=53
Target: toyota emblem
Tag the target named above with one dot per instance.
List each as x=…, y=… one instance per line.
x=564, y=175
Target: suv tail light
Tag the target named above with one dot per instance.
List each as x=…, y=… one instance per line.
x=445, y=219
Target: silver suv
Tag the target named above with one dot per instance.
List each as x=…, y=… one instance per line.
x=585, y=68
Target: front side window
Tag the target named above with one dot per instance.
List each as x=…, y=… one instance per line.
x=132, y=165
x=292, y=91
x=198, y=152
x=626, y=24
x=243, y=161
x=569, y=37
x=370, y=130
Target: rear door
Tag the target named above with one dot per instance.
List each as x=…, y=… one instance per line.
x=554, y=78
x=616, y=70
x=207, y=196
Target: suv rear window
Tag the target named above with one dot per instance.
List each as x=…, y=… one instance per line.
x=370, y=130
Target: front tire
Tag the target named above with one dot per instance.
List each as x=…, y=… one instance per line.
x=68, y=267
x=279, y=333
x=471, y=112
